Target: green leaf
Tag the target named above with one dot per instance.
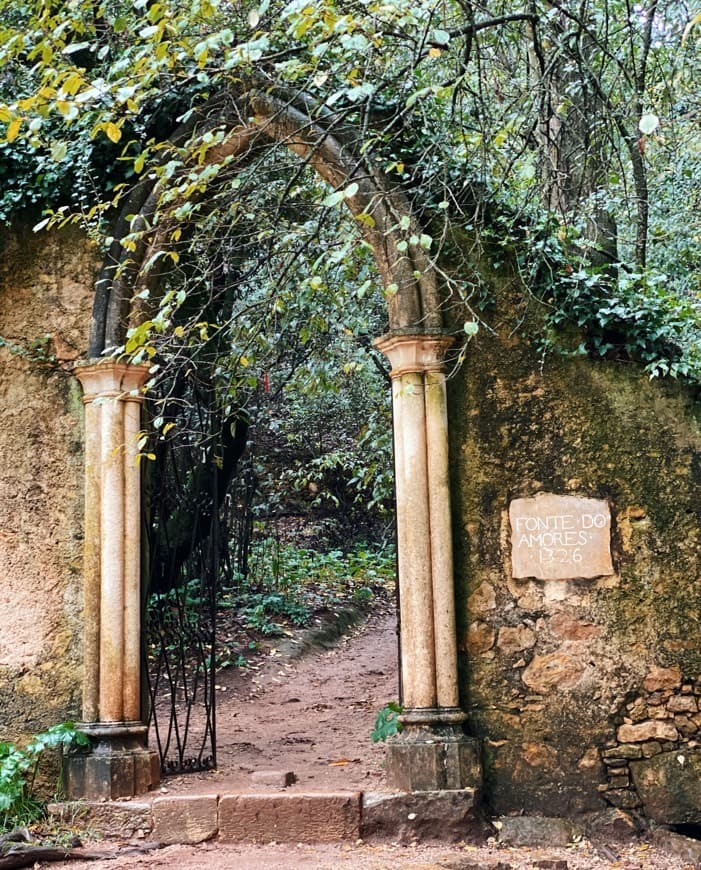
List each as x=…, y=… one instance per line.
x=13, y=129
x=439, y=37
x=114, y=133
x=333, y=199
x=387, y=722
x=59, y=151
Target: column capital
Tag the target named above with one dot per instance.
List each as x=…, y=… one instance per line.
x=108, y=378
x=414, y=352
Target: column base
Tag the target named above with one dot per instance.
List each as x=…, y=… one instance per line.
x=432, y=753
x=118, y=763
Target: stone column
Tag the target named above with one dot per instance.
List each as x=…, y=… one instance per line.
x=432, y=753
x=118, y=764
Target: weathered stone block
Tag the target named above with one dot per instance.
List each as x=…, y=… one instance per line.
x=562, y=669
x=185, y=818
x=624, y=798
x=418, y=765
x=274, y=778
x=480, y=638
x=537, y=831
x=514, y=639
x=557, y=537
x=685, y=726
x=669, y=785
x=625, y=750
x=662, y=679
x=446, y=816
x=568, y=628
x=99, y=777
x=660, y=712
x=483, y=598
x=653, y=729
x=147, y=771
x=108, y=775
x=682, y=704
x=296, y=818
x=621, y=780
x=113, y=819
x=612, y=825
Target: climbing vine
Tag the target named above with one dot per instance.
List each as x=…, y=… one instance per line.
x=554, y=137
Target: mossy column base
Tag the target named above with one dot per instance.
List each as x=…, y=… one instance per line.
x=432, y=753
x=118, y=764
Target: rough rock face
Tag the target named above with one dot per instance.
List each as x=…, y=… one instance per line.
x=45, y=299
x=581, y=687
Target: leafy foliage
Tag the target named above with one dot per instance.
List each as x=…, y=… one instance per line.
x=578, y=120
x=387, y=723
x=289, y=586
x=292, y=583
x=19, y=804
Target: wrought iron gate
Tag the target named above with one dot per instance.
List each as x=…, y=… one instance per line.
x=197, y=512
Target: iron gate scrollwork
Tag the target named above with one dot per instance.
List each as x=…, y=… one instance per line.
x=198, y=523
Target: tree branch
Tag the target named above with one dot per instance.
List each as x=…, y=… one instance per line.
x=473, y=27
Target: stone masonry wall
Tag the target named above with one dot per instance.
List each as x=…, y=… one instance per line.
x=655, y=752
x=45, y=300
x=585, y=691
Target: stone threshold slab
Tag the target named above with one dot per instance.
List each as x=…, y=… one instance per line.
x=280, y=817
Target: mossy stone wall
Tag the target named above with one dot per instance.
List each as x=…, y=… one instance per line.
x=45, y=300
x=552, y=670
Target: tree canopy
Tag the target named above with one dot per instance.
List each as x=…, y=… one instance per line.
x=561, y=134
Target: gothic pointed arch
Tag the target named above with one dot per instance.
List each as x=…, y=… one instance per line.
x=251, y=116
x=433, y=753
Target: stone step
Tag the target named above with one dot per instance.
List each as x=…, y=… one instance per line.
x=285, y=817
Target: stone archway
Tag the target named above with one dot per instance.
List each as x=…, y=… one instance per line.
x=432, y=752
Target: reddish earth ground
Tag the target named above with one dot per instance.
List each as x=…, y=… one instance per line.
x=313, y=716
x=363, y=856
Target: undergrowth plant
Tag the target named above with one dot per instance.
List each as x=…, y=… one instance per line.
x=292, y=582
x=387, y=722
x=287, y=584
x=19, y=803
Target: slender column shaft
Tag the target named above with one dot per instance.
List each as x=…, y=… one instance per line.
x=118, y=763
x=441, y=540
x=132, y=564
x=424, y=526
x=112, y=563
x=415, y=593
x=112, y=590
x=432, y=753
x=91, y=563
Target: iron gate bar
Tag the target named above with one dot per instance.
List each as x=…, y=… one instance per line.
x=187, y=578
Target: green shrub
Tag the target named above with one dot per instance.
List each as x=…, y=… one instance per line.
x=19, y=803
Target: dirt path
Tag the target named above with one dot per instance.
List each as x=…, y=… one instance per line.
x=383, y=856
x=311, y=715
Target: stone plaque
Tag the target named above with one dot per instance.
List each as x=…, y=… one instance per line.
x=560, y=537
